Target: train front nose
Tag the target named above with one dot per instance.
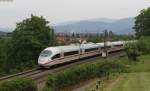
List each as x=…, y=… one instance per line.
x=42, y=61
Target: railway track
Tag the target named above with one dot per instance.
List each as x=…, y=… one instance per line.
x=40, y=75
x=21, y=74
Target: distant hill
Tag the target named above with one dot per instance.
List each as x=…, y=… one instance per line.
x=122, y=26
x=3, y=33
x=106, y=20
x=5, y=29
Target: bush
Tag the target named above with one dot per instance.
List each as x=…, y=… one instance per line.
x=143, y=45
x=19, y=84
x=140, y=47
x=132, y=51
x=80, y=73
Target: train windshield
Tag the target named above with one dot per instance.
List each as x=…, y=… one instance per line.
x=45, y=53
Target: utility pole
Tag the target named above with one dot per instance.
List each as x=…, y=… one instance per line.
x=80, y=43
x=104, y=53
x=53, y=37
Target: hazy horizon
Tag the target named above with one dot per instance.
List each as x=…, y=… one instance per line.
x=57, y=11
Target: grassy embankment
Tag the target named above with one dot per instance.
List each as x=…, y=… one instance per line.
x=137, y=78
x=83, y=72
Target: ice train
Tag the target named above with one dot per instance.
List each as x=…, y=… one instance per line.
x=61, y=54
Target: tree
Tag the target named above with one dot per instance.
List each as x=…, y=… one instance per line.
x=111, y=35
x=29, y=38
x=5, y=51
x=142, y=23
x=95, y=38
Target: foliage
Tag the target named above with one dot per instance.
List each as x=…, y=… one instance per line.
x=76, y=74
x=132, y=51
x=30, y=37
x=143, y=45
x=140, y=47
x=95, y=38
x=112, y=37
x=142, y=23
x=116, y=37
x=5, y=45
x=21, y=51
x=19, y=84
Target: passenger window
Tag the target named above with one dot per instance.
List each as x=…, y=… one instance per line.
x=118, y=45
x=70, y=53
x=106, y=47
x=93, y=49
x=56, y=56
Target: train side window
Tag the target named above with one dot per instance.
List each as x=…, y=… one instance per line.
x=93, y=49
x=106, y=47
x=102, y=47
x=56, y=56
x=70, y=53
x=118, y=45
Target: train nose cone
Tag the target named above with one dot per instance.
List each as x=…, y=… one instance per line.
x=42, y=60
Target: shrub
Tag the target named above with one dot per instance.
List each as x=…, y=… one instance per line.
x=132, y=51
x=80, y=73
x=19, y=84
x=143, y=45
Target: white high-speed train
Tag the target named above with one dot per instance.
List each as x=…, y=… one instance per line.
x=61, y=54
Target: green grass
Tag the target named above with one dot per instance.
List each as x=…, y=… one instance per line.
x=104, y=82
x=139, y=81
x=138, y=78
x=142, y=66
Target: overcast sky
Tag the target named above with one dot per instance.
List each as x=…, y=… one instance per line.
x=68, y=10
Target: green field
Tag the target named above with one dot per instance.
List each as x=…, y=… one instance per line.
x=137, y=78
x=139, y=81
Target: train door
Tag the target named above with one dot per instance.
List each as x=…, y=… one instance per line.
x=62, y=54
x=99, y=50
x=82, y=50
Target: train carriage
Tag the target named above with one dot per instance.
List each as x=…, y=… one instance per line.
x=61, y=54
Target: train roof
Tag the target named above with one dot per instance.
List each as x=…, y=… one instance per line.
x=112, y=43
x=63, y=48
x=117, y=43
x=90, y=45
x=76, y=47
x=72, y=47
